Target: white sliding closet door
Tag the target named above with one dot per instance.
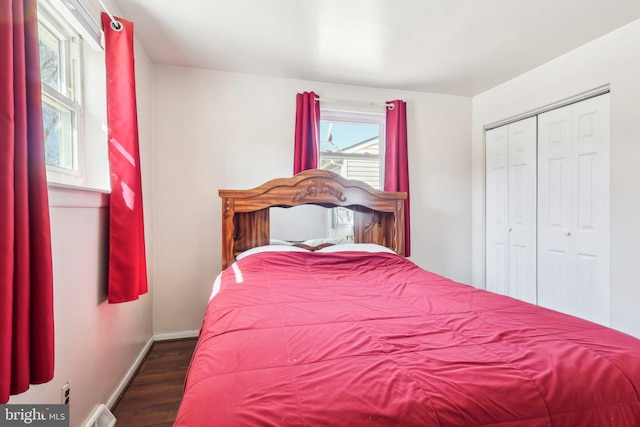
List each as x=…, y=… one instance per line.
x=573, y=209
x=511, y=210
x=497, y=202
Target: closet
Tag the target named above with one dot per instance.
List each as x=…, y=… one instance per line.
x=547, y=209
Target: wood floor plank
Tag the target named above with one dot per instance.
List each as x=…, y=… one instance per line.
x=153, y=396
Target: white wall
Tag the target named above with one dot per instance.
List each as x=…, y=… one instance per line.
x=217, y=130
x=96, y=343
x=611, y=60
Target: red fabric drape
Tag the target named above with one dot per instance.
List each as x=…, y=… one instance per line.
x=396, y=160
x=127, y=260
x=307, y=139
x=26, y=278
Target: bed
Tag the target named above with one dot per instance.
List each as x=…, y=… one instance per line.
x=358, y=335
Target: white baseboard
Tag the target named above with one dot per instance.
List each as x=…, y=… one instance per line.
x=129, y=375
x=176, y=335
x=143, y=353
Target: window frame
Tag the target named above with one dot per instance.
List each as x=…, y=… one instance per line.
x=357, y=118
x=67, y=99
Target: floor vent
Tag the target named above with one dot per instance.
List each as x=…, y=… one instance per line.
x=101, y=417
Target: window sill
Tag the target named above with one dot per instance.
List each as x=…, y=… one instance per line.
x=67, y=196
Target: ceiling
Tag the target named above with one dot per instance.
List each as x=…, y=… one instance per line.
x=459, y=47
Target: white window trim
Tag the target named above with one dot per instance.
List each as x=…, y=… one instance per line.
x=75, y=13
x=62, y=196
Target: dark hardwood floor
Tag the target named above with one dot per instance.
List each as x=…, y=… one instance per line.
x=153, y=397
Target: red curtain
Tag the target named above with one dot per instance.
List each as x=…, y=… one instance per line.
x=127, y=260
x=26, y=278
x=307, y=139
x=396, y=160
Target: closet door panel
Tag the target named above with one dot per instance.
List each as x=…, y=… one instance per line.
x=573, y=209
x=522, y=209
x=511, y=209
x=590, y=239
x=497, y=188
x=554, y=293
x=554, y=208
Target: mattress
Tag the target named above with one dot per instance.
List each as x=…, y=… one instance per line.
x=371, y=339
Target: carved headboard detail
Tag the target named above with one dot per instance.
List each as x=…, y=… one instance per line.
x=378, y=215
x=313, y=190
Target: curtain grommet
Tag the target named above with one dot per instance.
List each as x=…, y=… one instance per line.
x=116, y=26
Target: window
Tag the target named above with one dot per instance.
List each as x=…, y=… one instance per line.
x=73, y=94
x=352, y=145
x=61, y=109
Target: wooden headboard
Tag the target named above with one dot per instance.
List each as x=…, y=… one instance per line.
x=378, y=215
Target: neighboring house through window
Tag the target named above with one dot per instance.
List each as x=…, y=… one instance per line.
x=352, y=145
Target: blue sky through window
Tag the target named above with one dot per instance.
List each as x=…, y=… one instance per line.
x=344, y=135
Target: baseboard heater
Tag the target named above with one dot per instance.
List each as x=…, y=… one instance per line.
x=101, y=417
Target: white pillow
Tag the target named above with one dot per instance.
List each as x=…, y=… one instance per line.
x=269, y=248
x=356, y=247
x=322, y=241
x=280, y=242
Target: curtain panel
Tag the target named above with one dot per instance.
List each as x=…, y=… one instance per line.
x=26, y=275
x=307, y=138
x=127, y=258
x=396, y=161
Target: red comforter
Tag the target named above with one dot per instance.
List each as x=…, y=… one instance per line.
x=355, y=339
